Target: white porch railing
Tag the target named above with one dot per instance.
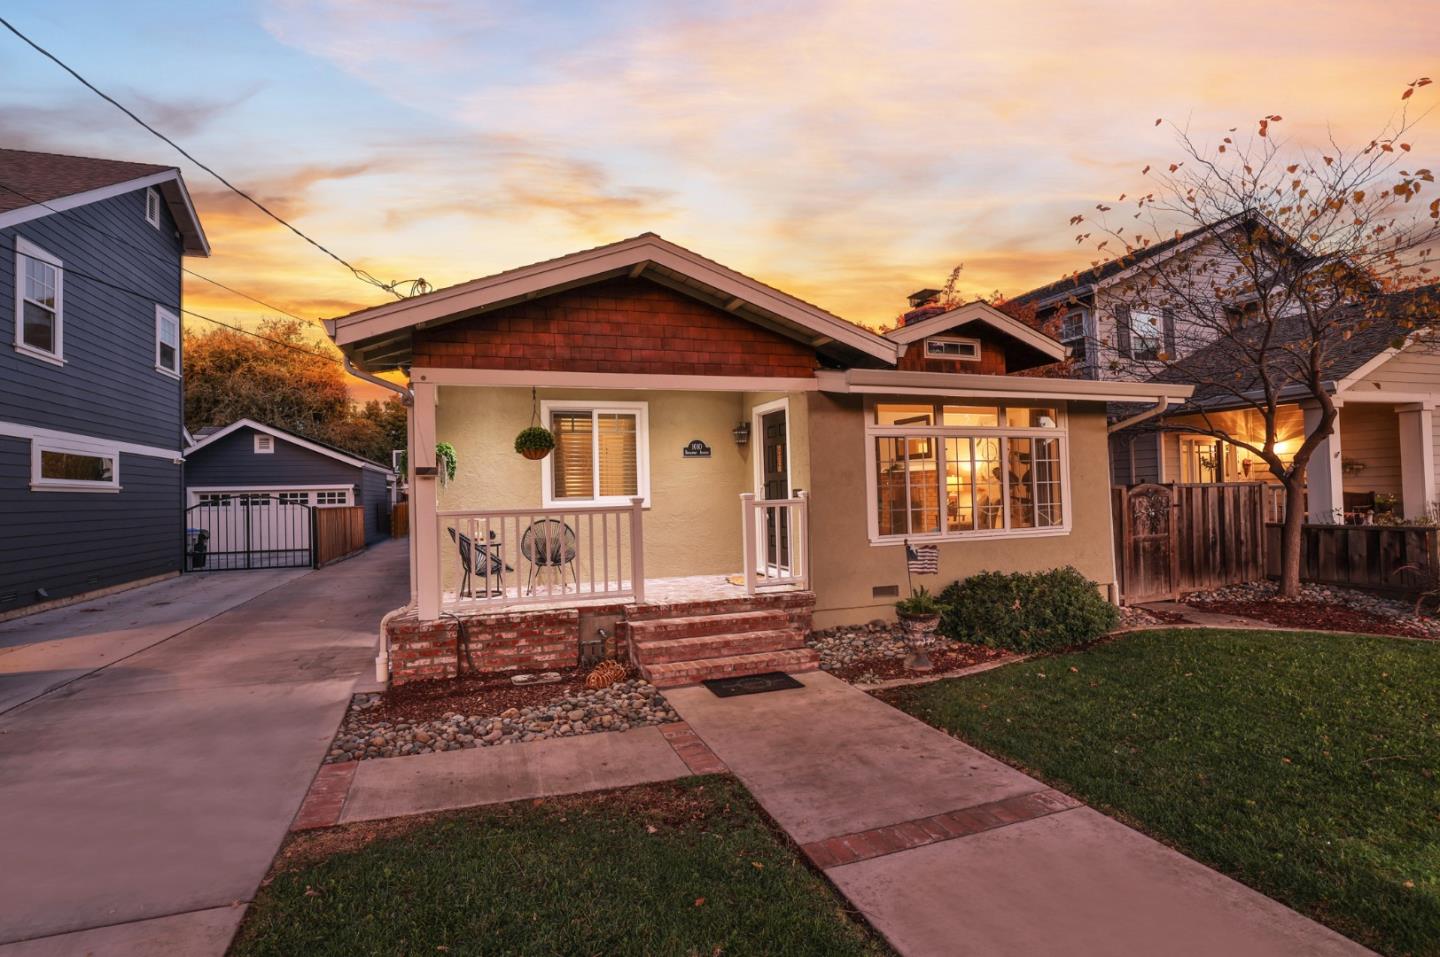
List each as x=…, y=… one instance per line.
x=776, y=541
x=495, y=558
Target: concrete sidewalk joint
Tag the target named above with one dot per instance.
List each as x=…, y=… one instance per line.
x=326, y=797
x=694, y=752
x=879, y=841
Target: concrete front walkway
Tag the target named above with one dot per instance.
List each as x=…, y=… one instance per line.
x=143, y=802
x=947, y=851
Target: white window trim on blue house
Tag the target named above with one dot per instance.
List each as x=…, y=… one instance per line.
x=161, y=316
x=27, y=252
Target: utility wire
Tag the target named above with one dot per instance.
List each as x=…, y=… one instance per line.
x=360, y=274
x=150, y=252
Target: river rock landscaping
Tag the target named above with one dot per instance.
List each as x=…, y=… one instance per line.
x=487, y=710
x=875, y=652
x=1319, y=608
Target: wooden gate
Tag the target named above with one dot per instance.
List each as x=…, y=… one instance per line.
x=1173, y=539
x=1145, y=542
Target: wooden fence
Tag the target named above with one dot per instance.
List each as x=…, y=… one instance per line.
x=400, y=520
x=1173, y=539
x=338, y=532
x=1363, y=556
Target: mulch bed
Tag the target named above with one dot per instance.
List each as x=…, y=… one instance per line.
x=483, y=693
x=1314, y=616
x=953, y=658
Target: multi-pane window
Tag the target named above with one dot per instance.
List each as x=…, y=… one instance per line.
x=600, y=453
x=332, y=498
x=956, y=349
x=1146, y=334
x=956, y=469
x=294, y=498
x=167, y=341
x=214, y=498
x=39, y=302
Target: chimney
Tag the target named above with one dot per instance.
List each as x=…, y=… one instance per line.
x=924, y=303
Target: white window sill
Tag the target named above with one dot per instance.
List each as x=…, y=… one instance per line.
x=71, y=487
x=581, y=504
x=42, y=355
x=169, y=372
x=954, y=537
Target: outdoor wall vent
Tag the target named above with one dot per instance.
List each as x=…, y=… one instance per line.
x=885, y=591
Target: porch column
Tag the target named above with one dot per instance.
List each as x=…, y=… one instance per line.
x=424, y=530
x=1417, y=458
x=1325, y=484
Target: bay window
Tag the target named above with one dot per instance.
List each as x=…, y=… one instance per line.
x=601, y=453
x=966, y=469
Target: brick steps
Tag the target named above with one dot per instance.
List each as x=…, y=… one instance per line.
x=724, y=642
x=716, y=646
x=695, y=626
x=676, y=673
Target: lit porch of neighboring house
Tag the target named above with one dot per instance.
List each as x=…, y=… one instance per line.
x=1380, y=459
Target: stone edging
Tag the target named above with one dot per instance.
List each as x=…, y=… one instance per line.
x=927, y=679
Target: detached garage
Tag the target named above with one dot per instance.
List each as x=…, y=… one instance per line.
x=262, y=497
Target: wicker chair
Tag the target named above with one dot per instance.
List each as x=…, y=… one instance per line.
x=550, y=543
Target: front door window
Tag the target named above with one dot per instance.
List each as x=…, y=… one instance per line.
x=775, y=478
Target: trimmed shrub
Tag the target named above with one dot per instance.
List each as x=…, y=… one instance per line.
x=1026, y=612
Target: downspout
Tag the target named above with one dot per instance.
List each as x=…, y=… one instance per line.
x=382, y=660
x=1161, y=404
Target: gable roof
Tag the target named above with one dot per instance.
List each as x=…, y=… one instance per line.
x=977, y=311
x=33, y=185
x=380, y=334
x=1219, y=369
x=216, y=434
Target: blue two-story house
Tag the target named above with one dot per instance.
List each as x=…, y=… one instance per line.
x=91, y=392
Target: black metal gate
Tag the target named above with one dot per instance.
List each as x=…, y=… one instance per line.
x=228, y=531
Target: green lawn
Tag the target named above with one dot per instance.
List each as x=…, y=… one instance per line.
x=686, y=868
x=1305, y=765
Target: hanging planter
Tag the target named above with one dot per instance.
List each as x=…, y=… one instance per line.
x=535, y=442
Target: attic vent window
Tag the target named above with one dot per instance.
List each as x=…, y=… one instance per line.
x=152, y=207
x=264, y=444
x=959, y=350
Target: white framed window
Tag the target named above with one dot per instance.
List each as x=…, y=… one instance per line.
x=602, y=453
x=293, y=498
x=955, y=349
x=972, y=470
x=152, y=207
x=264, y=444
x=167, y=342
x=73, y=466
x=1146, y=334
x=213, y=498
x=332, y=498
x=39, y=303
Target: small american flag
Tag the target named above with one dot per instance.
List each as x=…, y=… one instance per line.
x=922, y=559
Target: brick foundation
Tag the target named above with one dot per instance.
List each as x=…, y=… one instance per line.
x=521, y=641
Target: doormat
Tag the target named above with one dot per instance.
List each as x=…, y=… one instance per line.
x=750, y=684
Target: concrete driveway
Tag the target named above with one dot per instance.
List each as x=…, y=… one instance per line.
x=141, y=804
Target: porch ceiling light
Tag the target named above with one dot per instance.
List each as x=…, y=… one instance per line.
x=741, y=433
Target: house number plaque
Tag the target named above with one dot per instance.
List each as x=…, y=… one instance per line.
x=696, y=450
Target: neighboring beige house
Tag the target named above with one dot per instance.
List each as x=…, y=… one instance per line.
x=733, y=463
x=1386, y=385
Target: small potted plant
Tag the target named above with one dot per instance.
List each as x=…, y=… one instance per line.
x=535, y=443
x=919, y=622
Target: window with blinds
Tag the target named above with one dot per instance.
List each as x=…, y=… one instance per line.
x=598, y=453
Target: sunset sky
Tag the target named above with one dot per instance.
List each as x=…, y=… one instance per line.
x=846, y=152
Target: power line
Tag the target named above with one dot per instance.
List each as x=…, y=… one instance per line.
x=360, y=274
x=150, y=252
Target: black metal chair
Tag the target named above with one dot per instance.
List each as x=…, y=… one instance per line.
x=485, y=555
x=550, y=543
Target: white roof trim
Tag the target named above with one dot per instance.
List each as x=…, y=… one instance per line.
x=577, y=267
x=172, y=188
x=1375, y=362
x=972, y=312
x=969, y=385
x=285, y=437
